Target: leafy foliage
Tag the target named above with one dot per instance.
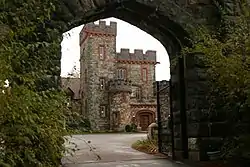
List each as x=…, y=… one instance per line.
x=77, y=122
x=32, y=108
x=227, y=56
x=31, y=127
x=146, y=145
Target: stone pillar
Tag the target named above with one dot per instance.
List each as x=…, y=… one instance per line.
x=202, y=133
x=196, y=106
x=120, y=111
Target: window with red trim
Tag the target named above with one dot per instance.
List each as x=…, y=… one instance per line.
x=144, y=74
x=101, y=52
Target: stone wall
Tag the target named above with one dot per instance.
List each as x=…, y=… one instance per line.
x=134, y=63
x=120, y=111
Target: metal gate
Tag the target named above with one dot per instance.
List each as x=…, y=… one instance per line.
x=164, y=117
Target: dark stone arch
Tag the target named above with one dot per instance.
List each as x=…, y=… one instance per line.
x=168, y=21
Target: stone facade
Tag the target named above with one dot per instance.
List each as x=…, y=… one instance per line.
x=115, y=87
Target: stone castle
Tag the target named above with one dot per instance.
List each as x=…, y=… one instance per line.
x=116, y=89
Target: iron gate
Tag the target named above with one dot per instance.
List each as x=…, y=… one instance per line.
x=164, y=117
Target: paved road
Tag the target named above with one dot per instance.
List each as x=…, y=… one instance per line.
x=110, y=150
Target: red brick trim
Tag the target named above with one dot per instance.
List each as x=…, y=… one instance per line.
x=142, y=69
x=99, y=33
x=136, y=61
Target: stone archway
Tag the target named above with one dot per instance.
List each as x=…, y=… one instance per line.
x=170, y=22
x=144, y=118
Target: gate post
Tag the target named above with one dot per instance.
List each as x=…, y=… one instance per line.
x=159, y=116
x=182, y=96
x=172, y=119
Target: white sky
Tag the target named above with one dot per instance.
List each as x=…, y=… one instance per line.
x=128, y=36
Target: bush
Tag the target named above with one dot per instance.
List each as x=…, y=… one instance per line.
x=32, y=108
x=226, y=56
x=31, y=128
x=133, y=127
x=146, y=145
x=76, y=122
x=128, y=128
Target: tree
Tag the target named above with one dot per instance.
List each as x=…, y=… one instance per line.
x=32, y=113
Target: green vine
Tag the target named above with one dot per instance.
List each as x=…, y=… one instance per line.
x=227, y=54
x=32, y=107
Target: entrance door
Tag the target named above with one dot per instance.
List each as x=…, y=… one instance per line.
x=144, y=122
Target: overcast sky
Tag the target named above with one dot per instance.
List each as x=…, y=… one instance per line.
x=128, y=36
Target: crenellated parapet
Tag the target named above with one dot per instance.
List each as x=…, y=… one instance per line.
x=101, y=28
x=137, y=55
x=119, y=85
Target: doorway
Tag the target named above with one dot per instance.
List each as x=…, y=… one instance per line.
x=145, y=119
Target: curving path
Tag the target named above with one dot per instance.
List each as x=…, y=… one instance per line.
x=109, y=150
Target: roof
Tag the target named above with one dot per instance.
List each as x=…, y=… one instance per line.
x=73, y=84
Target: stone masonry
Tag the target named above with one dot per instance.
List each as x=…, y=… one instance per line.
x=116, y=88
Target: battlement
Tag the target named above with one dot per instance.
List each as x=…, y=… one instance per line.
x=102, y=27
x=124, y=54
x=119, y=85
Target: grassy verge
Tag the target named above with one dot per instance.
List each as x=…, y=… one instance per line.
x=147, y=146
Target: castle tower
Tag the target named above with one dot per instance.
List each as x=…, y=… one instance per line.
x=97, y=66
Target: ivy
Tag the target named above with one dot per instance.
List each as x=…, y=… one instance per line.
x=33, y=108
x=227, y=56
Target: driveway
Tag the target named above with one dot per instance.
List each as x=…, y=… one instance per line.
x=109, y=150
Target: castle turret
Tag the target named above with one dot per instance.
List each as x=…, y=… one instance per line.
x=120, y=111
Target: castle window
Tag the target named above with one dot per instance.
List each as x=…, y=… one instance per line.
x=85, y=75
x=133, y=93
x=121, y=73
x=144, y=74
x=103, y=111
x=102, y=83
x=101, y=52
x=138, y=93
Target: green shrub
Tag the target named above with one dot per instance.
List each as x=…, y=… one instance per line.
x=146, y=145
x=225, y=55
x=76, y=122
x=133, y=127
x=31, y=128
x=128, y=128
x=32, y=111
